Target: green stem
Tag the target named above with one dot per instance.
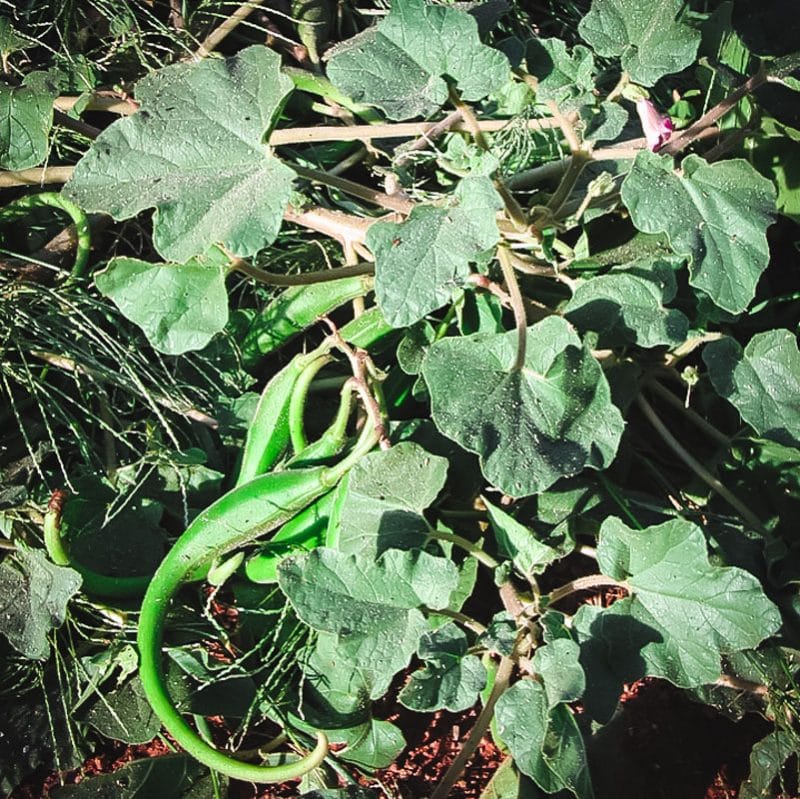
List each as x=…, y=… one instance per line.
x=390, y=201
x=51, y=199
x=584, y=584
x=698, y=467
x=297, y=403
x=461, y=618
x=517, y=304
x=463, y=543
x=501, y=682
x=689, y=413
x=303, y=279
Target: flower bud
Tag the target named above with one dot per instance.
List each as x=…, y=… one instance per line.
x=657, y=127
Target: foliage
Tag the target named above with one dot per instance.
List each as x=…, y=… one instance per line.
x=554, y=350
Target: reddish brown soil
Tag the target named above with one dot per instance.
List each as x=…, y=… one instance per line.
x=661, y=746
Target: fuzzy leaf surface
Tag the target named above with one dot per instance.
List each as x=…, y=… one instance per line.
x=644, y=34
x=762, y=382
x=180, y=307
x=196, y=153
x=716, y=214
x=531, y=426
x=420, y=262
x=699, y=611
x=400, y=64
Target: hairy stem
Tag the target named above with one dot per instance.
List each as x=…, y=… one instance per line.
x=692, y=415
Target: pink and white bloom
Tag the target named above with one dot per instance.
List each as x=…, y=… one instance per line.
x=657, y=127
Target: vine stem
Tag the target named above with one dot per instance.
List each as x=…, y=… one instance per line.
x=303, y=279
x=696, y=466
x=212, y=41
x=463, y=543
x=390, y=201
x=686, y=137
x=689, y=413
x=501, y=682
x=395, y=130
x=517, y=304
x=584, y=584
x=36, y=176
x=461, y=618
x=513, y=208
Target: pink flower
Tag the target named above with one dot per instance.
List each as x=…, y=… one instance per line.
x=657, y=127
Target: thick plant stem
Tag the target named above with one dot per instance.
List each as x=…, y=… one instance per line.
x=517, y=304
x=697, y=467
x=501, y=683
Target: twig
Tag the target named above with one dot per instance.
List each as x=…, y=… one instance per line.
x=389, y=201
x=696, y=466
x=336, y=224
x=405, y=151
x=77, y=125
x=212, y=41
x=517, y=305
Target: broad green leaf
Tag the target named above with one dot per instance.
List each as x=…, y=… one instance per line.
x=562, y=77
x=196, y=153
x=420, y=262
x=530, y=555
x=531, y=426
x=603, y=122
x=168, y=777
x=762, y=382
x=372, y=606
x=613, y=648
x=626, y=306
x=716, y=214
x=767, y=759
x=33, y=600
x=400, y=64
x=451, y=679
x=699, y=611
x=545, y=744
x=124, y=714
x=350, y=792
x=501, y=634
x=26, y=115
x=644, y=33
x=385, y=496
x=558, y=665
x=10, y=40
x=180, y=307
x=374, y=745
